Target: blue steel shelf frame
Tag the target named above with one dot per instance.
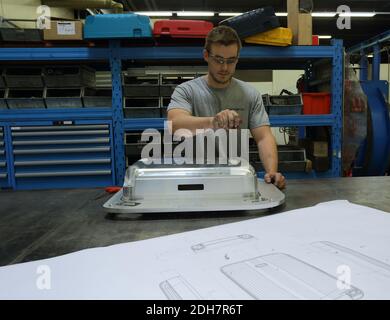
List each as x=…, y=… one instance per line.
x=298, y=56
x=258, y=56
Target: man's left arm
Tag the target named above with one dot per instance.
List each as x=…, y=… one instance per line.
x=268, y=152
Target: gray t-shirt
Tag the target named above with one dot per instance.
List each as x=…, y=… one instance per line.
x=197, y=97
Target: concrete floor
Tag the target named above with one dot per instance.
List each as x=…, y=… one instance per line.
x=47, y=223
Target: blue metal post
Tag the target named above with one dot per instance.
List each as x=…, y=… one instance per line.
x=337, y=85
x=376, y=63
x=363, y=66
x=9, y=156
x=117, y=112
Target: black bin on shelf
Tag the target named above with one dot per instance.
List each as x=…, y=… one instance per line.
x=134, y=145
x=138, y=86
x=170, y=82
x=3, y=103
x=141, y=108
x=63, y=98
x=69, y=76
x=2, y=82
x=97, y=97
x=17, y=35
x=32, y=98
x=23, y=77
x=253, y=22
x=283, y=104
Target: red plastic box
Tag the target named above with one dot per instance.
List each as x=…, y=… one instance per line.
x=316, y=103
x=182, y=28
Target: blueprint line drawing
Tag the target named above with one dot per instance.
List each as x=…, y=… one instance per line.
x=349, y=256
x=178, y=288
x=219, y=243
x=282, y=276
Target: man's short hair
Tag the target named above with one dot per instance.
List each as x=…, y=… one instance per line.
x=222, y=35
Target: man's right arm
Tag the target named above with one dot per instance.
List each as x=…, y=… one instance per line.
x=182, y=119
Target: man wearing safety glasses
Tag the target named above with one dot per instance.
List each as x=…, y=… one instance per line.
x=217, y=100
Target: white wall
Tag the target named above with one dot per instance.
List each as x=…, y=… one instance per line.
x=27, y=9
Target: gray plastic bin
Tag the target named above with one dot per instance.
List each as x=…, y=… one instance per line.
x=283, y=104
x=25, y=98
x=14, y=34
x=23, y=77
x=63, y=98
x=69, y=76
x=2, y=82
x=140, y=86
x=97, y=97
x=3, y=103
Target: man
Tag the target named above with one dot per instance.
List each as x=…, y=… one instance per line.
x=217, y=100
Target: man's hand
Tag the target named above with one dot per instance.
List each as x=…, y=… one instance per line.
x=276, y=178
x=226, y=119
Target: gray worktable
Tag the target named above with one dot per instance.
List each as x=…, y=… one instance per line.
x=41, y=224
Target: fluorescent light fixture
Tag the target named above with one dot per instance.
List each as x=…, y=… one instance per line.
x=156, y=13
x=370, y=56
x=358, y=14
x=195, y=13
x=281, y=14
x=325, y=37
x=229, y=14
x=323, y=14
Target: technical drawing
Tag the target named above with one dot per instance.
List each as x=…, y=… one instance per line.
x=349, y=257
x=219, y=243
x=282, y=276
x=177, y=288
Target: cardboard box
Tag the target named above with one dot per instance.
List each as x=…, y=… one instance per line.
x=305, y=29
x=292, y=18
x=299, y=23
x=64, y=30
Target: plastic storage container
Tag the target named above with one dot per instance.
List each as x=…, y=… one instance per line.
x=68, y=76
x=283, y=104
x=25, y=98
x=63, y=98
x=3, y=103
x=2, y=82
x=276, y=37
x=97, y=97
x=316, y=103
x=117, y=26
x=23, y=77
x=182, y=28
x=142, y=108
x=140, y=85
x=23, y=35
x=253, y=22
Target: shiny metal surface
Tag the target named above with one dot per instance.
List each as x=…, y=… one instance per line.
x=188, y=188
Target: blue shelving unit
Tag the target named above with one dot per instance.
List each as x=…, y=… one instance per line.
x=259, y=57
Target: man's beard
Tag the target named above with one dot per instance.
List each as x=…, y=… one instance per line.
x=219, y=81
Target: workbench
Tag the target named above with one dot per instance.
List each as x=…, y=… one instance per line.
x=42, y=224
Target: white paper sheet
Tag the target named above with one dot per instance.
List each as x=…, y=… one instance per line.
x=335, y=250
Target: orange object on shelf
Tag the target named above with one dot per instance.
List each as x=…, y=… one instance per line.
x=316, y=103
x=316, y=40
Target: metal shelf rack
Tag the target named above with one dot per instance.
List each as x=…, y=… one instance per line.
x=257, y=57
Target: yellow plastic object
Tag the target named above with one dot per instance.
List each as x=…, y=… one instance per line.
x=276, y=37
